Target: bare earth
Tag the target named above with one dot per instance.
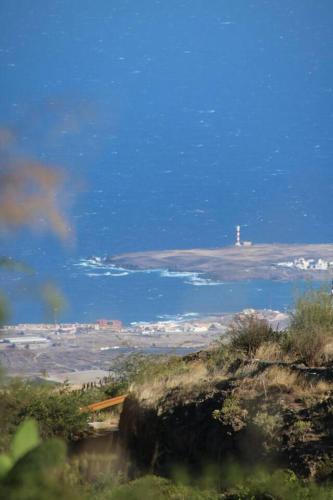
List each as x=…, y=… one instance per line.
x=232, y=263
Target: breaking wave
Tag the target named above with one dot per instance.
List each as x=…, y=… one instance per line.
x=100, y=268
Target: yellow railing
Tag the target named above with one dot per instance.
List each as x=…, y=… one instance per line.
x=101, y=405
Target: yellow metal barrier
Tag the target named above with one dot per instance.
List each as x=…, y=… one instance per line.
x=107, y=403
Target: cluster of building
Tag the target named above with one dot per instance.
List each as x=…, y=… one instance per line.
x=176, y=327
x=42, y=334
x=308, y=264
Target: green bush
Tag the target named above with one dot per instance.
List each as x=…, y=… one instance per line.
x=57, y=411
x=117, y=388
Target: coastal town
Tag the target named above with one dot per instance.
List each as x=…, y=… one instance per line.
x=79, y=352
x=308, y=264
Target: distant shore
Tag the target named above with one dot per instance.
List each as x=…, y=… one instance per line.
x=261, y=261
x=80, y=353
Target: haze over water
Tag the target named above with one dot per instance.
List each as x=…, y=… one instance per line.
x=181, y=119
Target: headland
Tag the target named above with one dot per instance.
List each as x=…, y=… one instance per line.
x=276, y=261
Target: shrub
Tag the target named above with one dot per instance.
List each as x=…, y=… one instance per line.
x=270, y=426
x=299, y=430
x=307, y=346
x=56, y=411
x=218, y=358
x=231, y=413
x=324, y=467
x=313, y=312
x=249, y=332
x=311, y=326
x=116, y=388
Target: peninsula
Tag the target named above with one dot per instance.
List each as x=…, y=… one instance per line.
x=235, y=263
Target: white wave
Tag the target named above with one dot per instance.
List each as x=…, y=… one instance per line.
x=171, y=318
x=108, y=273
x=178, y=274
x=188, y=277
x=203, y=282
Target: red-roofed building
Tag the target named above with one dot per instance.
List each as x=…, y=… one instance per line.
x=111, y=324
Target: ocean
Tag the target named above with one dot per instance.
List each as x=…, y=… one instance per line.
x=105, y=292
x=174, y=122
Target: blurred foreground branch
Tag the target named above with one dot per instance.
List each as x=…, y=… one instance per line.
x=30, y=197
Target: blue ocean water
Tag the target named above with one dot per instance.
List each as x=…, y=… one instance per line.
x=131, y=296
x=174, y=121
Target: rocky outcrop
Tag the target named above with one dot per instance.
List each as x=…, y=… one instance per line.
x=260, y=424
x=180, y=429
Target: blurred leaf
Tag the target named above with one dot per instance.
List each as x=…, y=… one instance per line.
x=30, y=196
x=25, y=439
x=37, y=475
x=48, y=454
x=53, y=299
x=4, y=308
x=14, y=265
x=5, y=464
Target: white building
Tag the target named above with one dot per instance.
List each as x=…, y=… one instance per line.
x=24, y=340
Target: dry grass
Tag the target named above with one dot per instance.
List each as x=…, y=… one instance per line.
x=283, y=378
x=328, y=351
x=270, y=351
x=276, y=379
x=290, y=381
x=150, y=392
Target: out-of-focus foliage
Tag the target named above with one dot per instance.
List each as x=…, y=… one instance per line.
x=30, y=197
x=53, y=299
x=235, y=482
x=157, y=488
x=33, y=470
x=25, y=439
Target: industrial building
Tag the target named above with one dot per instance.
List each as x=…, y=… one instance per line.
x=24, y=340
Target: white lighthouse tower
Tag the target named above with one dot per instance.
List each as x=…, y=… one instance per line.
x=238, y=240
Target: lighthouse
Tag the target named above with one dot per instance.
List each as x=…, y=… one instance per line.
x=238, y=241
